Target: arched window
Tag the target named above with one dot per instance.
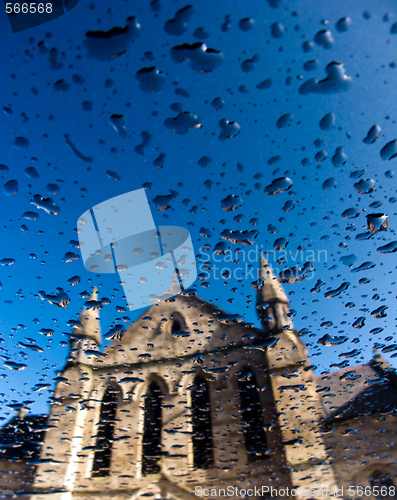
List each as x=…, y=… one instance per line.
x=105, y=433
x=385, y=485
x=176, y=326
x=254, y=433
x=202, y=426
x=151, y=439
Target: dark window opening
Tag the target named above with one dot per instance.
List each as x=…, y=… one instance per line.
x=385, y=485
x=151, y=440
x=203, y=457
x=176, y=326
x=254, y=433
x=105, y=434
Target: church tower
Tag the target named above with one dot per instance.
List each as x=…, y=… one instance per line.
x=66, y=421
x=86, y=336
x=272, y=303
x=299, y=406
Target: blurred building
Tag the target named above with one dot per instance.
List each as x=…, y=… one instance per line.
x=189, y=399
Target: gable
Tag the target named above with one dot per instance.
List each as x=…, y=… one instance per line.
x=175, y=328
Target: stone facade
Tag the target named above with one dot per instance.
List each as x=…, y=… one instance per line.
x=190, y=398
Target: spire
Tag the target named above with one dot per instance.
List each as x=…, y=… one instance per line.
x=272, y=303
x=89, y=319
x=383, y=367
x=271, y=290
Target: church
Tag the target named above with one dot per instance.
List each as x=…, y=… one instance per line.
x=189, y=402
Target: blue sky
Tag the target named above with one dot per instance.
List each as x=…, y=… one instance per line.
x=82, y=106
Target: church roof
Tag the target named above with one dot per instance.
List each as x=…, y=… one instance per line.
x=362, y=390
x=21, y=437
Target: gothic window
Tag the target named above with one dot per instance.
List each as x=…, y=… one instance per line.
x=151, y=440
x=105, y=433
x=176, y=326
x=384, y=485
x=254, y=434
x=202, y=426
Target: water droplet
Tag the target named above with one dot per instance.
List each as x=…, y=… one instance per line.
x=10, y=188
x=87, y=105
x=373, y=134
x=321, y=155
x=364, y=267
x=201, y=33
x=339, y=157
x=336, y=81
x=343, y=24
x=377, y=222
x=32, y=173
x=246, y=24
x=228, y=129
x=150, y=79
x=333, y=293
x=182, y=122
x=389, y=248
x=164, y=202
x=61, y=86
x=279, y=185
x=52, y=188
x=330, y=340
x=46, y=204
x=31, y=215
x=7, y=262
x=284, y=121
x=178, y=25
x=329, y=184
x=113, y=175
x=288, y=206
x=324, y=38
x=231, y=202
x=359, y=323
x=200, y=57
x=327, y=122
x=250, y=64
x=365, y=186
x=380, y=312
x=389, y=151
x=351, y=213
x=277, y=30
x=218, y=103
x=105, y=45
x=15, y=366
x=307, y=46
x=348, y=260
x=21, y=142
x=117, y=122
x=280, y=243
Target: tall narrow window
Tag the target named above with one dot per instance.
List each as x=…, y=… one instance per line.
x=151, y=440
x=105, y=434
x=176, y=326
x=202, y=428
x=255, y=436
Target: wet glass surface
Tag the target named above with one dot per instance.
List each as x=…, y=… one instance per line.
x=198, y=249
